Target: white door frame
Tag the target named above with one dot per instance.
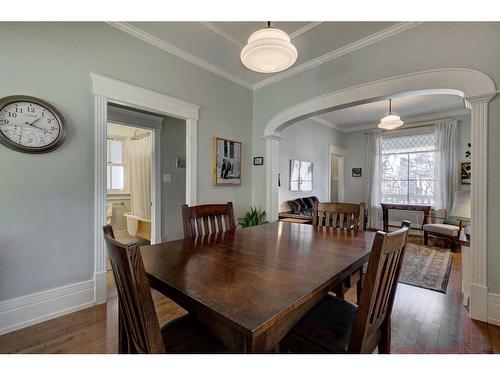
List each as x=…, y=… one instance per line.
x=107, y=90
x=475, y=87
x=340, y=153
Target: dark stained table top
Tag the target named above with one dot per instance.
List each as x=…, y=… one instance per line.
x=250, y=279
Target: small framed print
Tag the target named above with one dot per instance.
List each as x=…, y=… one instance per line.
x=180, y=162
x=356, y=172
x=258, y=160
x=465, y=173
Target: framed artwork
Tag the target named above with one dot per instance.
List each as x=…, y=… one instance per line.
x=301, y=175
x=258, y=160
x=465, y=173
x=180, y=162
x=356, y=172
x=226, y=162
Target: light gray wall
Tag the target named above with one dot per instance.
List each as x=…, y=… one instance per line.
x=47, y=200
x=307, y=140
x=173, y=144
x=355, y=157
x=428, y=46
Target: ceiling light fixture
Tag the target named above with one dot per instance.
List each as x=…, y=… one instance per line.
x=268, y=51
x=390, y=121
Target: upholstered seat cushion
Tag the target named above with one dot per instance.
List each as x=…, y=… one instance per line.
x=445, y=229
x=186, y=335
x=326, y=328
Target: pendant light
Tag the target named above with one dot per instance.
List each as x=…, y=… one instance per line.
x=268, y=51
x=391, y=121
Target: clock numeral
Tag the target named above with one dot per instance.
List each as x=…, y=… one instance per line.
x=49, y=121
x=12, y=114
x=31, y=109
x=19, y=110
x=5, y=122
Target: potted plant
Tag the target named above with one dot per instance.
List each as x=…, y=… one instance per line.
x=254, y=216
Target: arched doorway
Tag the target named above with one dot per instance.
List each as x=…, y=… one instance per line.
x=475, y=87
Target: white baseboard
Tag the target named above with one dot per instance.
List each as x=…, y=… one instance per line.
x=24, y=311
x=478, y=308
x=494, y=309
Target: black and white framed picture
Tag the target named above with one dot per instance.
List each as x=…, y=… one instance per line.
x=356, y=172
x=226, y=162
x=301, y=175
x=258, y=160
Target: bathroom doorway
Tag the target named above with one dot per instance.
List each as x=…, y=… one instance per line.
x=129, y=182
x=133, y=174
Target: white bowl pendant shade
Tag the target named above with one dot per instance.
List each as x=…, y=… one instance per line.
x=268, y=51
x=391, y=121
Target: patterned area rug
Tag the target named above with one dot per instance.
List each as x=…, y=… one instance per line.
x=427, y=267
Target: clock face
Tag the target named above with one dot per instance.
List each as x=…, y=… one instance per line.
x=30, y=125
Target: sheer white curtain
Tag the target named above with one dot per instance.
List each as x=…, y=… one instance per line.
x=446, y=170
x=140, y=176
x=373, y=194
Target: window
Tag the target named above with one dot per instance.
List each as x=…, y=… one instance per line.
x=300, y=175
x=116, y=165
x=407, y=165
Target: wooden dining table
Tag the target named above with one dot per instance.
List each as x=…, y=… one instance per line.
x=250, y=286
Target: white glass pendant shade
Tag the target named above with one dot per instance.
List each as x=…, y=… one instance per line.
x=268, y=51
x=391, y=121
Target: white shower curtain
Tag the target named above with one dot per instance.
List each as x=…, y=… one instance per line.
x=446, y=171
x=140, y=176
x=373, y=194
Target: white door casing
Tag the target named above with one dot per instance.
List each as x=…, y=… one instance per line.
x=107, y=90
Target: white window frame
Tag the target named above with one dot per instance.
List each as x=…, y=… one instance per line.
x=123, y=164
x=408, y=132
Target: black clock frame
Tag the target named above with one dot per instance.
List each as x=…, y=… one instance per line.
x=27, y=149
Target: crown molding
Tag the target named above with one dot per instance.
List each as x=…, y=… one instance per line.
x=223, y=34
x=159, y=43
x=411, y=121
x=325, y=122
x=304, y=29
x=361, y=43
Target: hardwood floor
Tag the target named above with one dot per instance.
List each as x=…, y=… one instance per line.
x=423, y=322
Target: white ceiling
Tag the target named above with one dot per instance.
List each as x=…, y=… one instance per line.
x=216, y=46
x=410, y=108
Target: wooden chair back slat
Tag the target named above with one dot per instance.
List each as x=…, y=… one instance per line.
x=207, y=219
x=139, y=327
x=339, y=215
x=379, y=289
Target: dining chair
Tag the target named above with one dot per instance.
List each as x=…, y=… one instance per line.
x=339, y=215
x=139, y=329
x=207, y=219
x=337, y=326
x=350, y=216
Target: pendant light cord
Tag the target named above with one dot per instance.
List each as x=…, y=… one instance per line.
x=268, y=23
x=390, y=106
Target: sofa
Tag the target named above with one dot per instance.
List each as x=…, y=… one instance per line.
x=300, y=209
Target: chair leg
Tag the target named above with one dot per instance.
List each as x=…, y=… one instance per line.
x=426, y=238
x=123, y=347
x=339, y=290
x=384, y=346
x=359, y=286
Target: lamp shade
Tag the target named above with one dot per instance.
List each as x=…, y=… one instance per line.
x=461, y=205
x=268, y=51
x=390, y=122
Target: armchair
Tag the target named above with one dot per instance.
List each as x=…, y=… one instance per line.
x=451, y=226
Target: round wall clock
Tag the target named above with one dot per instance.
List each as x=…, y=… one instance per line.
x=29, y=124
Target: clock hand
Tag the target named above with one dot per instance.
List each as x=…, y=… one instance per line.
x=33, y=121
x=37, y=127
